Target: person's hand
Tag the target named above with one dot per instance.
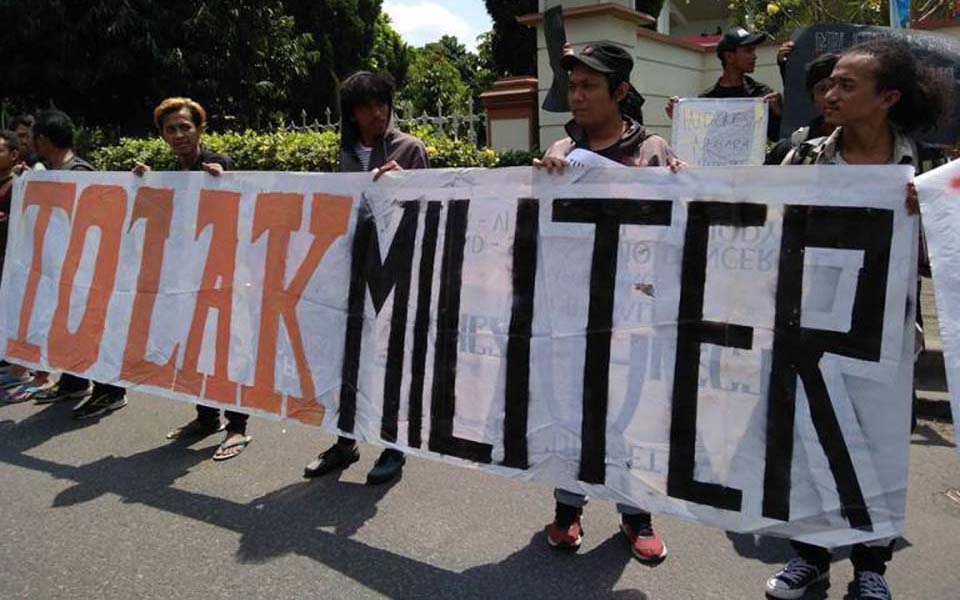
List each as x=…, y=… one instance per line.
x=676, y=165
x=552, y=164
x=671, y=104
x=913, y=200
x=775, y=100
x=20, y=169
x=139, y=169
x=214, y=169
x=390, y=166
x=784, y=52
x=3, y=217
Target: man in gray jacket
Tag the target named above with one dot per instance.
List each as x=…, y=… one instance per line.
x=369, y=142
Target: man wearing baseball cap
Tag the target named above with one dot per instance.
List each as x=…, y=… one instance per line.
x=737, y=52
x=607, y=121
x=607, y=112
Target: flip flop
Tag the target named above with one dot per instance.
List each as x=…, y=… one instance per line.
x=194, y=429
x=8, y=380
x=241, y=443
x=25, y=392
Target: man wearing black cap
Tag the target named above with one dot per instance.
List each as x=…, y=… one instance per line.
x=737, y=52
x=606, y=120
x=607, y=112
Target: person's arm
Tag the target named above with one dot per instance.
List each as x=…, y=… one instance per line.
x=414, y=158
x=783, y=54
x=664, y=156
x=217, y=166
x=555, y=158
x=774, y=100
x=420, y=160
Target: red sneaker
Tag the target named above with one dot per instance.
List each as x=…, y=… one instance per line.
x=566, y=537
x=647, y=546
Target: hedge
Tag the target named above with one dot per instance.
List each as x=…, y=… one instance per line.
x=294, y=151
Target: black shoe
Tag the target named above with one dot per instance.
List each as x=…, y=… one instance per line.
x=100, y=405
x=387, y=468
x=336, y=458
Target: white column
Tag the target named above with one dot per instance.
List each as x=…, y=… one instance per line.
x=663, y=19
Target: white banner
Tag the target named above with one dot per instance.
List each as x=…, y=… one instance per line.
x=940, y=201
x=719, y=132
x=725, y=345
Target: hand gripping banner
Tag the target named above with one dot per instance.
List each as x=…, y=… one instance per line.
x=732, y=346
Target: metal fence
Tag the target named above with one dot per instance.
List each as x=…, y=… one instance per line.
x=470, y=126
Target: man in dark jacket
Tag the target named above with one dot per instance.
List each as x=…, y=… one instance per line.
x=606, y=117
x=53, y=134
x=181, y=123
x=369, y=142
x=879, y=98
x=737, y=52
x=817, y=84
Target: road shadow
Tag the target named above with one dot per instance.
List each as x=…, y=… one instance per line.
x=929, y=373
x=927, y=435
x=316, y=520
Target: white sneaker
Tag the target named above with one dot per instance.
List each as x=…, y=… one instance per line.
x=792, y=581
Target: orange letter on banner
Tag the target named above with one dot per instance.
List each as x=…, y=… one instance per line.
x=220, y=210
x=47, y=195
x=155, y=206
x=281, y=215
x=103, y=207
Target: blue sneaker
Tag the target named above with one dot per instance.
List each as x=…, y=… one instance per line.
x=791, y=582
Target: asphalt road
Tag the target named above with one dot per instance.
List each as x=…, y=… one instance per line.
x=111, y=510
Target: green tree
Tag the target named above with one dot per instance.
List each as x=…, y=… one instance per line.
x=108, y=62
x=514, y=46
x=343, y=34
x=434, y=80
x=487, y=71
x=783, y=16
x=474, y=72
x=389, y=54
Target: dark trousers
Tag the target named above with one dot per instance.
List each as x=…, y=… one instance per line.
x=72, y=383
x=236, y=422
x=864, y=558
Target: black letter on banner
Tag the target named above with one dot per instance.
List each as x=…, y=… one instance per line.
x=797, y=350
x=421, y=325
x=692, y=331
x=608, y=215
x=517, y=395
x=368, y=270
x=443, y=403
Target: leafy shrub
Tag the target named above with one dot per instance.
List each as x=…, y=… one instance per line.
x=518, y=158
x=294, y=151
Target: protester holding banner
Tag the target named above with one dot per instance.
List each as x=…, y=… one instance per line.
x=602, y=100
x=817, y=84
x=181, y=122
x=9, y=158
x=12, y=376
x=23, y=126
x=878, y=98
x=53, y=138
x=737, y=52
x=369, y=141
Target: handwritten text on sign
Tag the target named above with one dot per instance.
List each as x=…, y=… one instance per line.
x=716, y=344
x=716, y=132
